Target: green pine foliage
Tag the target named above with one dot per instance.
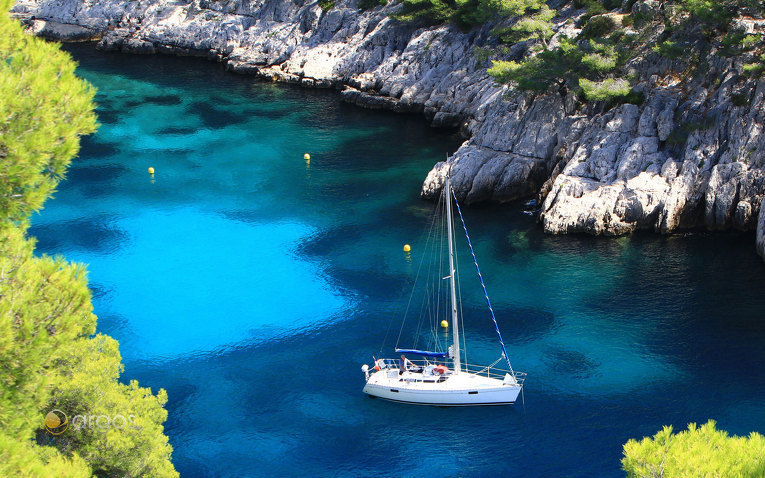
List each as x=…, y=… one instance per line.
x=327, y=4
x=45, y=108
x=599, y=58
x=605, y=44
x=24, y=458
x=697, y=452
x=536, y=26
x=598, y=27
x=49, y=361
x=604, y=90
x=539, y=73
x=738, y=42
x=131, y=441
x=755, y=68
x=370, y=4
x=44, y=306
x=464, y=13
x=429, y=12
x=713, y=12
x=670, y=49
x=592, y=63
x=586, y=66
x=48, y=356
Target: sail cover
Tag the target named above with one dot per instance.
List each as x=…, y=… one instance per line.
x=423, y=353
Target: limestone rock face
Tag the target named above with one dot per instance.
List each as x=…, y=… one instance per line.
x=620, y=175
x=687, y=156
x=63, y=31
x=509, y=156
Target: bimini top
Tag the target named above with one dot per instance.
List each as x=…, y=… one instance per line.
x=423, y=353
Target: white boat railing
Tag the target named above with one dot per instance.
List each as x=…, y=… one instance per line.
x=493, y=372
x=485, y=370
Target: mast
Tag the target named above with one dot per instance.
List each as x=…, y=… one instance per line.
x=455, y=322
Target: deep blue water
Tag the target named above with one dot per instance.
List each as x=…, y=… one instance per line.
x=252, y=287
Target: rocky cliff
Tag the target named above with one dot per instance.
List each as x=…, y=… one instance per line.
x=689, y=155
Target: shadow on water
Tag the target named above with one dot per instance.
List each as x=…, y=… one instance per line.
x=570, y=363
x=178, y=130
x=107, y=116
x=163, y=100
x=98, y=291
x=96, y=234
x=376, y=285
x=89, y=175
x=214, y=117
x=528, y=323
x=332, y=240
x=93, y=147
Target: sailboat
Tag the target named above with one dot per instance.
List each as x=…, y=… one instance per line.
x=442, y=378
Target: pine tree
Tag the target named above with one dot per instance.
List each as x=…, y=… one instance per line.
x=697, y=452
x=44, y=108
x=48, y=357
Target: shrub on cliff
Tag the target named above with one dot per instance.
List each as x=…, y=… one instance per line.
x=598, y=27
x=588, y=64
x=696, y=452
x=326, y=4
x=464, y=13
x=592, y=63
x=550, y=67
x=584, y=66
x=604, y=90
x=370, y=4
x=48, y=359
x=711, y=11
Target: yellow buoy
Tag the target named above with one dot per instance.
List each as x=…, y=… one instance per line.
x=407, y=248
x=307, y=157
x=444, y=324
x=151, y=170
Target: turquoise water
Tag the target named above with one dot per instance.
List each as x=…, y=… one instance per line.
x=252, y=287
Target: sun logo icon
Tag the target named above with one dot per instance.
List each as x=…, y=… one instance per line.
x=56, y=422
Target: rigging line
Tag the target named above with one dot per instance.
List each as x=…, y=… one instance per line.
x=432, y=302
x=429, y=314
x=489, y=366
x=445, y=271
x=426, y=310
x=432, y=287
x=414, y=287
x=440, y=258
x=435, y=261
x=423, y=312
x=462, y=314
x=483, y=286
x=461, y=317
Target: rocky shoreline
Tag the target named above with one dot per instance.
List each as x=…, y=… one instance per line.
x=690, y=155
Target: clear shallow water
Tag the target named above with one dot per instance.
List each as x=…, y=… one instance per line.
x=252, y=288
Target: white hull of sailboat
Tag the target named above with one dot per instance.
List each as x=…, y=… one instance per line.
x=430, y=382
x=464, y=389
